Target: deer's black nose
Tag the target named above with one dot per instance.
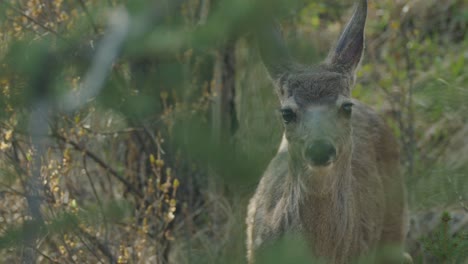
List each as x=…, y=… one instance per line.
x=320, y=153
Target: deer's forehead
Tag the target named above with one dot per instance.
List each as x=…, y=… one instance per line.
x=315, y=88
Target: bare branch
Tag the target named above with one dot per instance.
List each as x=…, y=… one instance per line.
x=103, y=164
x=90, y=18
x=33, y=20
x=106, y=229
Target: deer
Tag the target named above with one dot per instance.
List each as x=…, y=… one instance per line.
x=336, y=178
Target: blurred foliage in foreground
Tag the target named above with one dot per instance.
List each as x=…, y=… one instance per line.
x=135, y=131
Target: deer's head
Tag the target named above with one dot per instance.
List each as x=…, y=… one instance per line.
x=315, y=100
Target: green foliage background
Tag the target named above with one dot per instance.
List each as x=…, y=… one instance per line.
x=157, y=164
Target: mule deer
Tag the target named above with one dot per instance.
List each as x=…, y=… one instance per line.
x=336, y=177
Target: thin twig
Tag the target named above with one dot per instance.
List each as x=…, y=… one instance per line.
x=33, y=20
x=410, y=144
x=459, y=196
x=103, y=164
x=90, y=249
x=49, y=259
x=106, y=228
x=123, y=131
x=90, y=18
x=103, y=248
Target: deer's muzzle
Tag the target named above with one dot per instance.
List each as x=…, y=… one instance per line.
x=320, y=153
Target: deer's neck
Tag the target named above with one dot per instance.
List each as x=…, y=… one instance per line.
x=326, y=207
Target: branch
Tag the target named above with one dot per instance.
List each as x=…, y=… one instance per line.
x=410, y=147
x=106, y=230
x=33, y=20
x=107, y=52
x=38, y=128
x=101, y=163
x=462, y=203
x=121, y=28
x=90, y=18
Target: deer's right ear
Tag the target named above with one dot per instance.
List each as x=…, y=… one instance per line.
x=273, y=50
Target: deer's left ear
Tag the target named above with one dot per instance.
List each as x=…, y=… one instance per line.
x=348, y=51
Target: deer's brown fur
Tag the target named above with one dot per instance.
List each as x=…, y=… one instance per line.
x=351, y=205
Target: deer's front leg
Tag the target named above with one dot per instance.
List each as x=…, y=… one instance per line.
x=262, y=229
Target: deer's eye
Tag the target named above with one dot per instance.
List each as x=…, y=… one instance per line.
x=288, y=115
x=347, y=108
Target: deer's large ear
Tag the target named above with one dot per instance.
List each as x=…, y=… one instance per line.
x=273, y=50
x=348, y=51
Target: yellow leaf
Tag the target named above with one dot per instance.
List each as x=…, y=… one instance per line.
x=4, y=146
x=8, y=134
x=169, y=217
x=176, y=183
x=159, y=163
